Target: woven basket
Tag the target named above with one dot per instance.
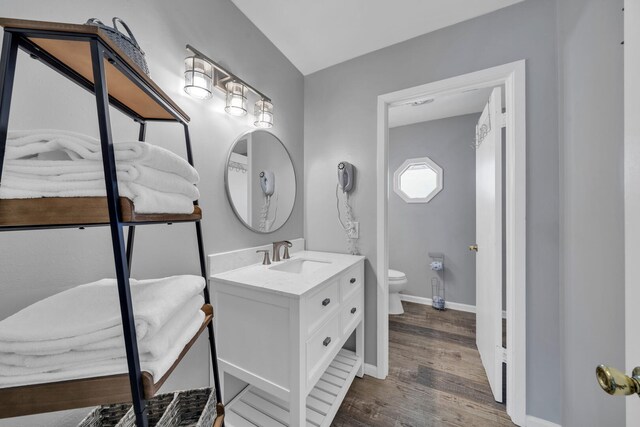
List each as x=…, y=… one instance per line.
x=156, y=407
x=105, y=416
x=191, y=408
x=126, y=42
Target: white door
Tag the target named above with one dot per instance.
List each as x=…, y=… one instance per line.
x=489, y=241
x=632, y=192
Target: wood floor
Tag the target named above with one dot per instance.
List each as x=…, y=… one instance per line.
x=435, y=377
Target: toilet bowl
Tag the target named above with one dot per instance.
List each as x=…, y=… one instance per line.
x=397, y=283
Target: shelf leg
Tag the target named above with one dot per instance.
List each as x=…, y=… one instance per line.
x=360, y=346
x=131, y=232
x=117, y=238
x=7, y=73
x=131, y=236
x=203, y=270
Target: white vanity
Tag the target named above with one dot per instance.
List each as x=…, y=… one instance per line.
x=281, y=328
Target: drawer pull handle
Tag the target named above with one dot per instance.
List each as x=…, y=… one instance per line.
x=326, y=341
x=353, y=310
x=326, y=301
x=353, y=280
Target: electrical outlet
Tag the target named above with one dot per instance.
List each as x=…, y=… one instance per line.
x=354, y=231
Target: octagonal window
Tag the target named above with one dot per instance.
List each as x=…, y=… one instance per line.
x=418, y=180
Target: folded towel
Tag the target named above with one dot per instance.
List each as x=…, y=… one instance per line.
x=159, y=343
x=17, y=364
x=24, y=144
x=156, y=367
x=89, y=170
x=15, y=176
x=94, y=307
x=155, y=345
x=145, y=199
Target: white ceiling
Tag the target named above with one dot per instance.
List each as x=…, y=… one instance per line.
x=317, y=34
x=442, y=107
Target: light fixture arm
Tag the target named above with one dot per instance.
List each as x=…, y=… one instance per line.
x=222, y=76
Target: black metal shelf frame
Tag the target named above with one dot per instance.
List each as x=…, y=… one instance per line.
x=15, y=39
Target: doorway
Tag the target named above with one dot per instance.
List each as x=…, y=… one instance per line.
x=512, y=77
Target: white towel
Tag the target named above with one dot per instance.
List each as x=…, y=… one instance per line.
x=94, y=180
x=155, y=345
x=151, y=350
x=145, y=199
x=94, y=307
x=23, y=144
x=89, y=170
x=156, y=367
x=159, y=343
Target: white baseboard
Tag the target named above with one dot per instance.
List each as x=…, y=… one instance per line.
x=451, y=305
x=427, y=301
x=539, y=422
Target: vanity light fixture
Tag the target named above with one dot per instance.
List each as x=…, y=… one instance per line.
x=263, y=114
x=236, y=99
x=199, y=67
x=198, y=77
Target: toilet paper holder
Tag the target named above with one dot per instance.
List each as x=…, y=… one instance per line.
x=437, y=283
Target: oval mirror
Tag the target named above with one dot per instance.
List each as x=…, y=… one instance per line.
x=260, y=181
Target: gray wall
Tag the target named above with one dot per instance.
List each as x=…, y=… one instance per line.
x=340, y=107
x=591, y=72
x=447, y=223
x=37, y=264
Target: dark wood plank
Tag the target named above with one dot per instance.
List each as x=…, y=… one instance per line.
x=61, y=395
x=435, y=377
x=76, y=210
x=76, y=55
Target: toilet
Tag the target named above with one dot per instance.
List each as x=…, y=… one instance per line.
x=397, y=283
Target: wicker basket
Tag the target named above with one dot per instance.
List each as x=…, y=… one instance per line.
x=191, y=408
x=156, y=407
x=105, y=416
x=126, y=42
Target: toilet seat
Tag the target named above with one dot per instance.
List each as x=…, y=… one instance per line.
x=396, y=276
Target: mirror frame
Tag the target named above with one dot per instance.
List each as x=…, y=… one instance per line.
x=226, y=181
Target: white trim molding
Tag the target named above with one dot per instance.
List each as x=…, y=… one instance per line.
x=427, y=301
x=512, y=76
x=539, y=422
x=371, y=370
x=450, y=305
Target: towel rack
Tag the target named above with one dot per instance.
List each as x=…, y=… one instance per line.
x=85, y=55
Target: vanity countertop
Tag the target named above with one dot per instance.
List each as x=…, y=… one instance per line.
x=265, y=277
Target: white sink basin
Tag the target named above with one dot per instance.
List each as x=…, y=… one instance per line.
x=300, y=265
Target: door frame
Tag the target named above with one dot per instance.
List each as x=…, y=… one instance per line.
x=512, y=76
x=631, y=192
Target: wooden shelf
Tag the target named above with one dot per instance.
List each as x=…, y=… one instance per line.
x=77, y=211
x=76, y=55
x=57, y=396
x=256, y=408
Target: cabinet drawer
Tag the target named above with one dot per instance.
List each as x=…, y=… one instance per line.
x=320, y=305
x=351, y=312
x=320, y=346
x=351, y=282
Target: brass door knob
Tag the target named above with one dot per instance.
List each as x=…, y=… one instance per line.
x=473, y=248
x=616, y=383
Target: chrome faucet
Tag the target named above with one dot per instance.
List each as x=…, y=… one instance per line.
x=265, y=260
x=276, y=250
